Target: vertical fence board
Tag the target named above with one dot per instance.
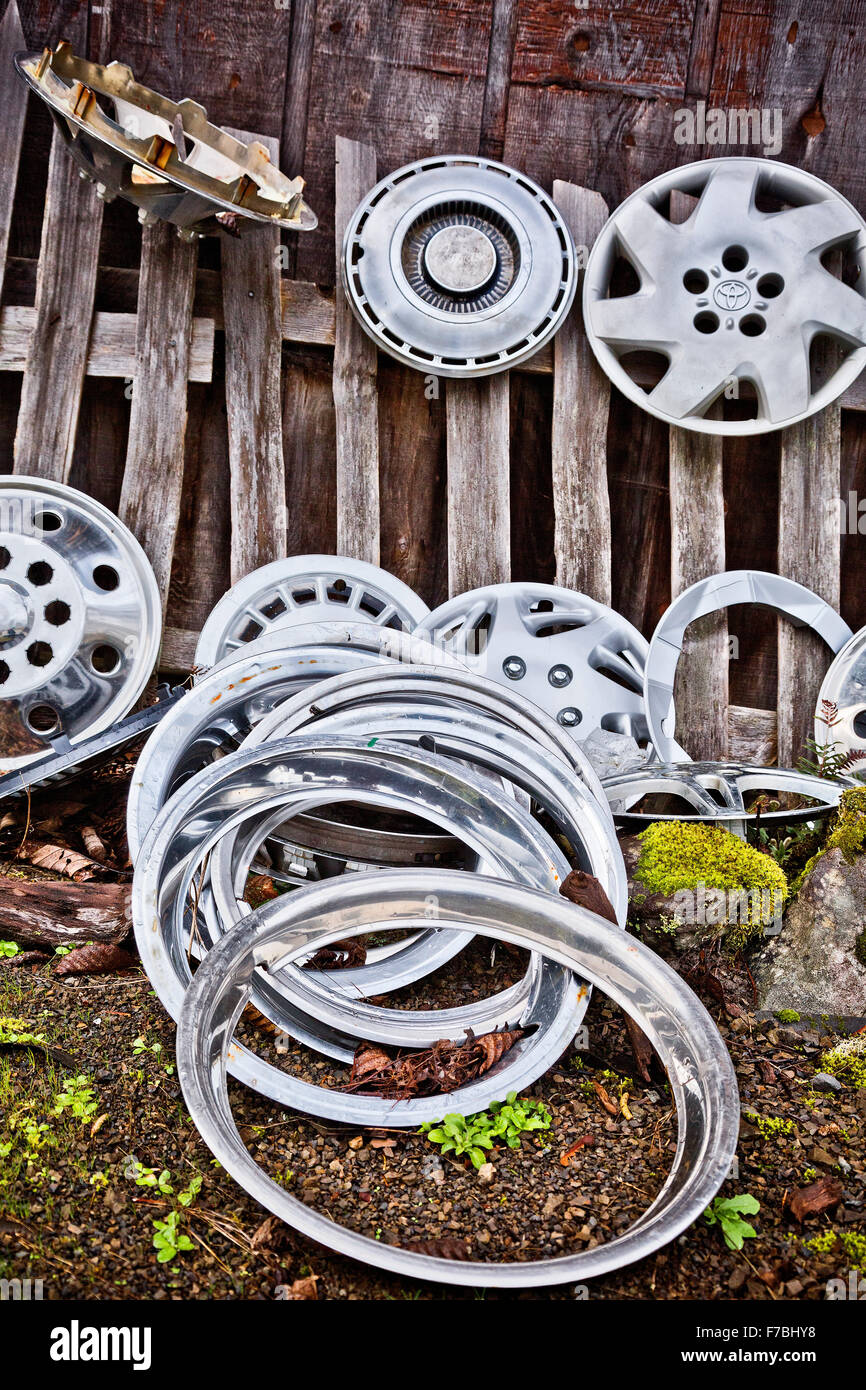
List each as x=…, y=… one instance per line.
x=253, y=329
x=697, y=503
x=809, y=551
x=581, y=402
x=355, y=381
x=150, y=498
x=479, y=507
x=14, y=108
x=57, y=355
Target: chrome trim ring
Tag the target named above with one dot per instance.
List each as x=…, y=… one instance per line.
x=688, y=1043
x=222, y=707
x=80, y=618
x=732, y=295
x=716, y=793
x=306, y=589
x=299, y=774
x=784, y=596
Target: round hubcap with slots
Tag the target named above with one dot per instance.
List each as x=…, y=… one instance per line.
x=80, y=618
x=746, y=305
x=306, y=589
x=575, y=658
x=458, y=266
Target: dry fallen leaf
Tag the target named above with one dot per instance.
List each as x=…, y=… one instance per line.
x=586, y=1141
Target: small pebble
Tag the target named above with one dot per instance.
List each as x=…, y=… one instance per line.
x=485, y=1173
x=825, y=1082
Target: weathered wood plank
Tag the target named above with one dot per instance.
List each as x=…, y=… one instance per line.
x=752, y=735
x=14, y=109
x=151, y=494
x=479, y=485
x=698, y=550
x=581, y=402
x=809, y=551
x=178, y=650
x=494, y=113
x=63, y=914
x=251, y=302
x=642, y=50
x=355, y=381
x=58, y=348
x=111, y=351
x=702, y=48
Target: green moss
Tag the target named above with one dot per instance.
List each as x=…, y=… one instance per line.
x=853, y=1244
x=677, y=857
x=771, y=1126
x=787, y=1016
x=847, y=1061
x=846, y=831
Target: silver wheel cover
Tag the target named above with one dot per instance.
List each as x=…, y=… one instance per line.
x=458, y=266
x=499, y=632
x=80, y=618
x=731, y=294
x=306, y=589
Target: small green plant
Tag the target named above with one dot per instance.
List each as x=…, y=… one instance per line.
x=189, y=1194
x=149, y=1177
x=63, y=950
x=788, y=1016
x=473, y=1134
x=829, y=758
x=168, y=1240
x=78, y=1098
x=141, y=1046
x=8, y=948
x=727, y=1212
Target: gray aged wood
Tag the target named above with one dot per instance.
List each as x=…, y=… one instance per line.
x=479, y=485
x=153, y=480
x=13, y=104
x=112, y=348
x=698, y=549
x=63, y=914
x=581, y=403
x=752, y=735
x=809, y=551
x=253, y=329
x=355, y=381
x=59, y=345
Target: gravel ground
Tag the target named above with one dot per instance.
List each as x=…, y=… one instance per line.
x=71, y=1214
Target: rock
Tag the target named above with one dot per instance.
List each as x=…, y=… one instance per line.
x=813, y=965
x=610, y=753
x=485, y=1173
x=825, y=1082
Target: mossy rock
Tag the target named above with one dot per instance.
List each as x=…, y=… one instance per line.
x=846, y=831
x=706, y=880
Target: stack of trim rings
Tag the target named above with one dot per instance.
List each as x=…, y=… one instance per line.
x=400, y=781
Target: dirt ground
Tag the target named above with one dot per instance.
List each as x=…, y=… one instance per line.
x=73, y=1214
